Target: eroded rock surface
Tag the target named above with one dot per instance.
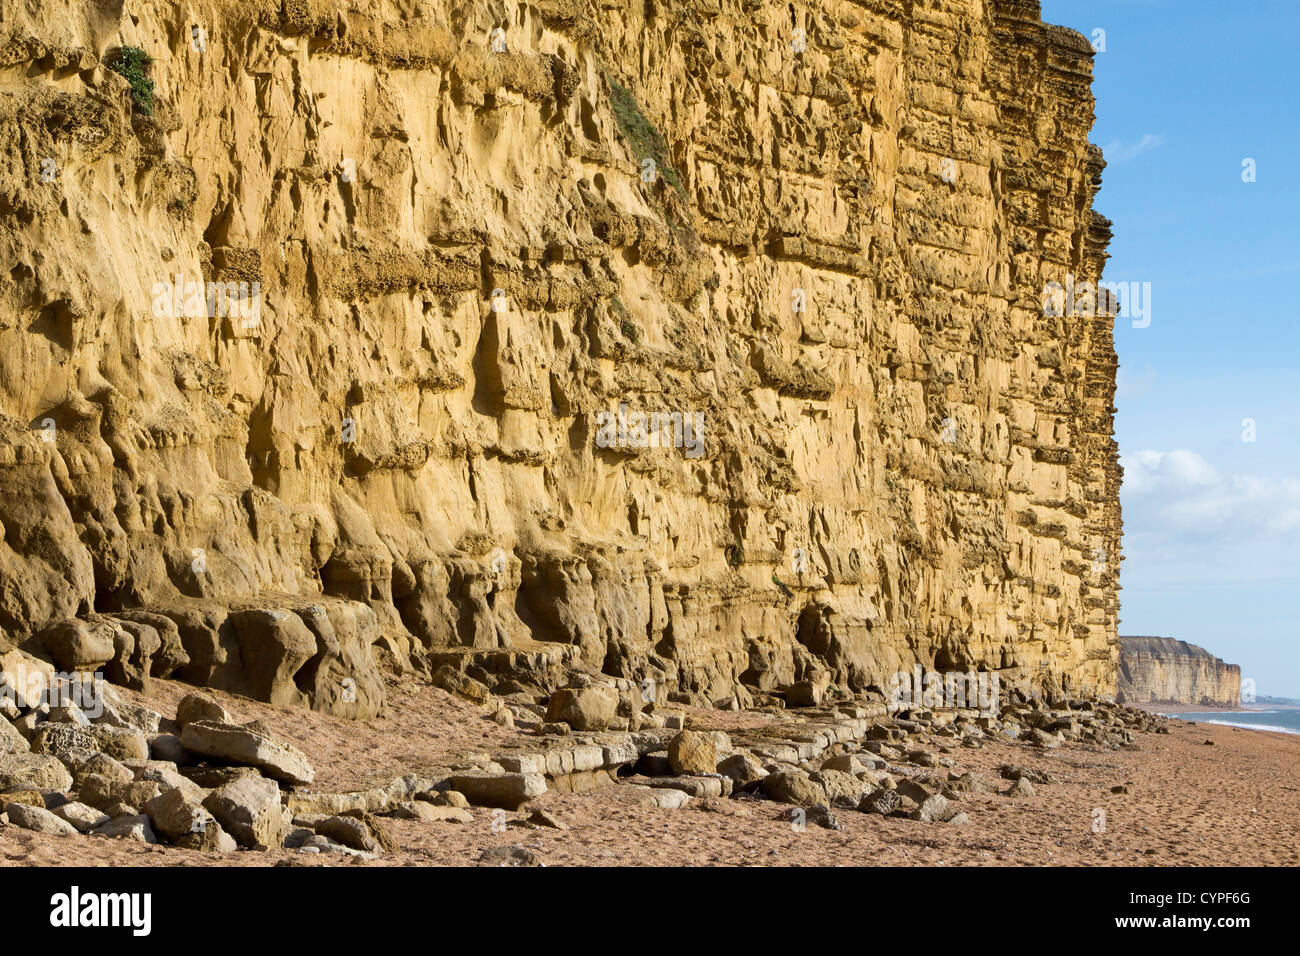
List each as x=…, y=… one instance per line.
x=824, y=252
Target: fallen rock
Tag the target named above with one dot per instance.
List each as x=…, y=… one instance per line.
x=583, y=708
x=11, y=741
x=104, y=766
x=194, y=708
x=245, y=745
x=842, y=789
x=692, y=752
x=461, y=685
x=1020, y=788
x=427, y=812
x=543, y=818
x=127, y=827
x=742, y=768
x=817, y=815
x=121, y=743
x=1011, y=771
x=174, y=814
x=85, y=818
x=793, y=786
x=33, y=798
x=211, y=839
x=38, y=819
x=509, y=791
x=509, y=856
x=935, y=809
x=350, y=832
x=102, y=792
x=249, y=810
x=40, y=770
x=914, y=790
x=883, y=802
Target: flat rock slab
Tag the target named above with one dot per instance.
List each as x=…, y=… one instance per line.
x=247, y=746
x=701, y=787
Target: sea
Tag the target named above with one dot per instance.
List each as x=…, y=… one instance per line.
x=1283, y=721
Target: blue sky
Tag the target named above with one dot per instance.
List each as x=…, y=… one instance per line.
x=1186, y=91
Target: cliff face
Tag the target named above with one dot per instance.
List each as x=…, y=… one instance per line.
x=817, y=234
x=1161, y=670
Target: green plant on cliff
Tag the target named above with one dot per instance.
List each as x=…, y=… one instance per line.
x=646, y=140
x=133, y=63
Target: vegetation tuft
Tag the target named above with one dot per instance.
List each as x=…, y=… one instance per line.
x=641, y=134
x=133, y=63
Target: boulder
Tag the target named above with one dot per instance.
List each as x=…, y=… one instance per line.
x=451, y=680
x=883, y=802
x=853, y=763
x=121, y=743
x=356, y=833
x=842, y=789
x=130, y=826
x=24, y=679
x=40, y=770
x=211, y=839
x=1021, y=787
x=935, y=809
x=583, y=708
x=11, y=741
x=38, y=819
x=508, y=791
x=200, y=707
x=693, y=752
x=914, y=790
x=102, y=792
x=508, y=856
x=66, y=740
x=104, y=766
x=742, y=768
x=174, y=814
x=129, y=716
x=249, y=810
x=793, y=786
x=33, y=798
x=246, y=745
x=83, y=817
x=67, y=714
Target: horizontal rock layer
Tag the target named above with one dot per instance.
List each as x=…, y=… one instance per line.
x=817, y=235
x=1161, y=670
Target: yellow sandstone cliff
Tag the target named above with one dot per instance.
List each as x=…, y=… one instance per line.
x=485, y=238
x=1162, y=670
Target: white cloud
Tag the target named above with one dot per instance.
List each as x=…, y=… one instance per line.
x=1178, y=494
x=1120, y=151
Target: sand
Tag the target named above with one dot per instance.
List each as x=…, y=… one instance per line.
x=1235, y=802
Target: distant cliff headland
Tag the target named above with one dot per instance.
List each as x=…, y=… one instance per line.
x=1162, y=670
